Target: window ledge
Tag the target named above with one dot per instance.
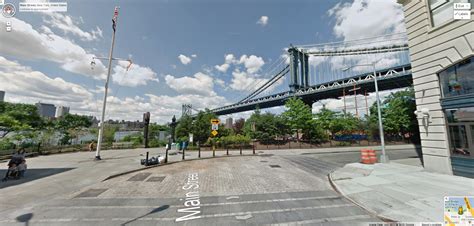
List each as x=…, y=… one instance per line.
x=446, y=23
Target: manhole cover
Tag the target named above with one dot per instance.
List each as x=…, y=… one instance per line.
x=139, y=177
x=266, y=155
x=275, y=166
x=155, y=179
x=91, y=193
x=263, y=161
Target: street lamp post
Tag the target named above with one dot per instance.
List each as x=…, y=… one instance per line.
x=383, y=158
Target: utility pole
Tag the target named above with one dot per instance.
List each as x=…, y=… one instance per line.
x=355, y=99
x=383, y=157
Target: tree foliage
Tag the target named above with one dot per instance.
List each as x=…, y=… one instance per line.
x=239, y=126
x=184, y=127
x=265, y=127
x=298, y=115
x=202, y=125
x=397, y=114
x=19, y=117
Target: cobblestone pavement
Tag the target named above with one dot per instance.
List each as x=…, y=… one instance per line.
x=247, y=190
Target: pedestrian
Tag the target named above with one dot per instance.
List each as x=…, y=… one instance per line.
x=91, y=146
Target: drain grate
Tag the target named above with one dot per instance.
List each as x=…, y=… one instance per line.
x=275, y=166
x=91, y=193
x=155, y=179
x=139, y=177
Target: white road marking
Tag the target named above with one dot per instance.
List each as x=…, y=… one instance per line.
x=244, y=217
x=203, y=204
x=203, y=216
x=328, y=219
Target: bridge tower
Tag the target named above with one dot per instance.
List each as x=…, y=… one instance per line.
x=299, y=67
x=186, y=110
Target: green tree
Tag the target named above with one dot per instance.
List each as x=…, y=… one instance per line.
x=238, y=126
x=298, y=115
x=72, y=126
x=19, y=117
x=184, y=127
x=265, y=127
x=397, y=114
x=154, y=131
x=202, y=126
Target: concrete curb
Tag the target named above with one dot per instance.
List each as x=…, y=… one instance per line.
x=170, y=163
x=338, y=190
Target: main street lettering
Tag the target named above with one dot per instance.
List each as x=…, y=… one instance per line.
x=192, y=200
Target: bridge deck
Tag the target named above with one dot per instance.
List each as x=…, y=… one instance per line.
x=391, y=78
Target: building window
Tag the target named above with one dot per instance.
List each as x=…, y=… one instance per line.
x=442, y=10
x=461, y=131
x=458, y=79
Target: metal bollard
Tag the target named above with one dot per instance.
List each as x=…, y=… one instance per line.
x=253, y=148
x=199, y=150
x=184, y=150
x=240, y=149
x=227, y=150
x=146, y=160
x=213, y=151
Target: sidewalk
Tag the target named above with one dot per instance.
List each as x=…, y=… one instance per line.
x=399, y=192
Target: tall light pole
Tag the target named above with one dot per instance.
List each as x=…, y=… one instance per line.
x=110, y=58
x=384, y=157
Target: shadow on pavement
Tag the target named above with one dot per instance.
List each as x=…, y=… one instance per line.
x=25, y=218
x=156, y=210
x=30, y=175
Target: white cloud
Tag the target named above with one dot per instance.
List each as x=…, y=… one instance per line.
x=367, y=18
x=242, y=81
x=184, y=59
x=199, y=84
x=252, y=63
x=194, y=56
x=263, y=21
x=229, y=59
x=355, y=20
x=25, y=84
x=220, y=82
x=222, y=68
x=31, y=44
x=68, y=26
x=136, y=76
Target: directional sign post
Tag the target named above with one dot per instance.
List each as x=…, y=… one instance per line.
x=214, y=126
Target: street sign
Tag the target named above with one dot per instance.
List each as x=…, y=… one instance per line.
x=215, y=127
x=215, y=121
x=214, y=133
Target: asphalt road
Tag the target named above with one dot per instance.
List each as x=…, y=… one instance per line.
x=269, y=189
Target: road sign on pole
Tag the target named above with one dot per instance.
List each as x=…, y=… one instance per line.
x=214, y=133
x=215, y=127
x=215, y=121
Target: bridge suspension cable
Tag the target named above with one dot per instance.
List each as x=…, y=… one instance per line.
x=270, y=82
x=362, y=51
x=270, y=70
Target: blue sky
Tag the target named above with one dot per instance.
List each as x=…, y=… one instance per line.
x=179, y=49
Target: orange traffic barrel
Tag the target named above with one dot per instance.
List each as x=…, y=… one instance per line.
x=364, y=156
x=372, y=156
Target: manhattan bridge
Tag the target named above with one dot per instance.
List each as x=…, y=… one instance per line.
x=328, y=71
